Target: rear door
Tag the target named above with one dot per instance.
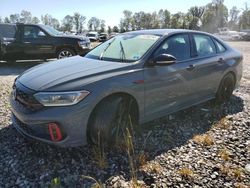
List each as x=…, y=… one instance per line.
x=10, y=42
x=206, y=67
x=36, y=42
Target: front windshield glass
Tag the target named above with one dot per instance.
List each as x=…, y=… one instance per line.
x=123, y=48
x=51, y=30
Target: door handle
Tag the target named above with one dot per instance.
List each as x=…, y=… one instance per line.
x=27, y=42
x=221, y=61
x=190, y=67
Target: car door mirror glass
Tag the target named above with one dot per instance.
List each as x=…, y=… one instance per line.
x=164, y=59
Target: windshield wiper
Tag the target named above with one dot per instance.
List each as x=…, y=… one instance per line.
x=101, y=55
x=123, y=57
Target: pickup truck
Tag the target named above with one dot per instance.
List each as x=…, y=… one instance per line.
x=35, y=41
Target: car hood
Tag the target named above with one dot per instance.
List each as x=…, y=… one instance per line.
x=47, y=76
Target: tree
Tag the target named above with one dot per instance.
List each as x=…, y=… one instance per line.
x=245, y=18
x=49, y=20
x=164, y=18
x=1, y=21
x=67, y=23
x=115, y=29
x=234, y=18
x=6, y=20
x=109, y=30
x=14, y=18
x=215, y=16
x=127, y=22
x=93, y=24
x=177, y=20
x=25, y=17
x=102, y=25
x=78, y=21
x=35, y=20
x=196, y=13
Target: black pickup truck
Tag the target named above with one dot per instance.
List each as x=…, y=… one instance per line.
x=35, y=41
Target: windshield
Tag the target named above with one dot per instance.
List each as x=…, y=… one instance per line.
x=123, y=48
x=91, y=35
x=51, y=30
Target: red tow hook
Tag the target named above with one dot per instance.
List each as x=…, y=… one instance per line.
x=54, y=131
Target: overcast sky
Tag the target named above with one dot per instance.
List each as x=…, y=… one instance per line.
x=109, y=10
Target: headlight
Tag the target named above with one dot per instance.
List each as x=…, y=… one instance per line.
x=60, y=98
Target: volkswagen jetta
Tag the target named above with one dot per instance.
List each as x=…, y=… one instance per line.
x=132, y=78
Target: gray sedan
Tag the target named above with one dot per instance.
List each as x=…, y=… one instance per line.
x=128, y=80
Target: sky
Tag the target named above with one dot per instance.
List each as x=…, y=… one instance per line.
x=108, y=10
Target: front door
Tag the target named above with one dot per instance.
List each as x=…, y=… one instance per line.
x=36, y=43
x=167, y=88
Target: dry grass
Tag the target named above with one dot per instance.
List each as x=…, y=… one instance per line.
x=99, y=154
x=224, y=154
x=235, y=173
x=186, y=173
x=224, y=123
x=204, y=139
x=240, y=185
x=96, y=184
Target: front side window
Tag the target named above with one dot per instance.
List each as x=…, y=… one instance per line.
x=204, y=45
x=177, y=46
x=31, y=32
x=123, y=48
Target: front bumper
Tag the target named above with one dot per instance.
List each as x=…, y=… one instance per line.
x=72, y=121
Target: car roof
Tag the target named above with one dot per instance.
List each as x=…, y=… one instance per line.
x=163, y=32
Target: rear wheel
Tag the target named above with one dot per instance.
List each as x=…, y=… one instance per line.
x=64, y=53
x=110, y=119
x=226, y=88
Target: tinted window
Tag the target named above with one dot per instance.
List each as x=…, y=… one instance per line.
x=220, y=47
x=204, y=45
x=177, y=46
x=31, y=32
x=7, y=31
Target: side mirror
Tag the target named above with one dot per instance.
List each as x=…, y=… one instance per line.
x=164, y=59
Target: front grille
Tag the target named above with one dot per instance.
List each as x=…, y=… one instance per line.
x=26, y=98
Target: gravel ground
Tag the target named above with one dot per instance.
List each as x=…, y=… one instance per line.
x=203, y=146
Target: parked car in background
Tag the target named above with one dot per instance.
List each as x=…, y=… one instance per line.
x=132, y=78
x=113, y=34
x=103, y=37
x=93, y=36
x=32, y=41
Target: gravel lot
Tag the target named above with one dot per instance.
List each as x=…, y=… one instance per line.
x=168, y=152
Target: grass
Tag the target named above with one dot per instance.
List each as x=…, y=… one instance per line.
x=235, y=173
x=186, y=173
x=224, y=123
x=99, y=154
x=204, y=139
x=97, y=184
x=55, y=183
x=224, y=154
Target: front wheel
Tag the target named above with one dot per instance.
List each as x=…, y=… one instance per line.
x=225, y=90
x=64, y=53
x=110, y=119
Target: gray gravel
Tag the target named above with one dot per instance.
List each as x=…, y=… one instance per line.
x=166, y=155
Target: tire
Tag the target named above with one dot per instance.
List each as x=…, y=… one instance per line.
x=225, y=90
x=109, y=120
x=65, y=52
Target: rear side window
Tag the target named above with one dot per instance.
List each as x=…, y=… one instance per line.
x=7, y=31
x=204, y=45
x=220, y=47
x=177, y=46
